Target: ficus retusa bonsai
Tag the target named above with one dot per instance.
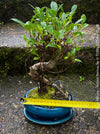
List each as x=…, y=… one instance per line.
x=53, y=38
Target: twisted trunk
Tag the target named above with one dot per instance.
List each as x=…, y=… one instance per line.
x=36, y=74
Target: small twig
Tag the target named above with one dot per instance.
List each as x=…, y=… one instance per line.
x=62, y=71
x=26, y=63
x=94, y=84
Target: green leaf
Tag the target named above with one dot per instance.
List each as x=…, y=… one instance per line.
x=78, y=21
x=30, y=39
x=78, y=48
x=56, y=34
x=54, y=6
x=42, y=16
x=69, y=40
x=63, y=17
x=52, y=13
x=40, y=30
x=37, y=10
x=59, y=47
x=73, y=52
x=43, y=24
x=53, y=45
x=82, y=40
x=18, y=21
x=31, y=5
x=81, y=78
x=84, y=25
x=28, y=26
x=83, y=17
x=50, y=28
x=34, y=51
x=74, y=7
x=35, y=58
x=68, y=55
x=67, y=23
x=77, y=60
x=78, y=34
x=41, y=41
x=75, y=28
x=61, y=7
x=61, y=33
x=59, y=25
x=25, y=38
x=82, y=20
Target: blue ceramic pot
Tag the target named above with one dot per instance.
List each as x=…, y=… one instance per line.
x=47, y=114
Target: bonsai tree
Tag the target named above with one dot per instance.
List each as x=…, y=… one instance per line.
x=53, y=40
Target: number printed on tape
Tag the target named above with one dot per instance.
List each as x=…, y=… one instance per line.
x=61, y=103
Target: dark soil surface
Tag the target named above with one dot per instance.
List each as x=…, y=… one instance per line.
x=12, y=120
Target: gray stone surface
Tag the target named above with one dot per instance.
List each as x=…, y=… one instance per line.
x=12, y=120
x=11, y=35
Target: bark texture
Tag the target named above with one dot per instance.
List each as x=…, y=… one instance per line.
x=36, y=71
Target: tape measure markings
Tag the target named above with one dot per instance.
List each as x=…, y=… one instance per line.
x=61, y=103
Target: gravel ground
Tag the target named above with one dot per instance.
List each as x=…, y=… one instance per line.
x=12, y=120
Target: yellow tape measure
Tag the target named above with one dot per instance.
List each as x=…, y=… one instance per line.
x=61, y=103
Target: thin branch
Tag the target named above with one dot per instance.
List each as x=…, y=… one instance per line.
x=60, y=89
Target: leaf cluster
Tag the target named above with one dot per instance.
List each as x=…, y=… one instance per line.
x=53, y=28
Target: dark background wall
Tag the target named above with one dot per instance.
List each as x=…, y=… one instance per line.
x=21, y=10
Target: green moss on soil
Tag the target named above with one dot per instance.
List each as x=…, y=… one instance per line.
x=48, y=95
